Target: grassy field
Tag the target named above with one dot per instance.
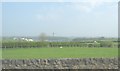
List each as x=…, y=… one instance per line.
x=30, y=53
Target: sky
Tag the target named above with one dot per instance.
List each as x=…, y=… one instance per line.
x=0, y=19
x=91, y=18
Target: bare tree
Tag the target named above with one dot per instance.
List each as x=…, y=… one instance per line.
x=43, y=37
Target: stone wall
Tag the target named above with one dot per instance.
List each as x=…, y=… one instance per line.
x=66, y=63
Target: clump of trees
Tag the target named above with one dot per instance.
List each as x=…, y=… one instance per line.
x=106, y=44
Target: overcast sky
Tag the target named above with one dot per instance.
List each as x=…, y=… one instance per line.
x=91, y=18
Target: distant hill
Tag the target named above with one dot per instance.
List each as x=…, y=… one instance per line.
x=58, y=38
x=49, y=38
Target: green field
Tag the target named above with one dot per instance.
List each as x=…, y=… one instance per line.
x=30, y=53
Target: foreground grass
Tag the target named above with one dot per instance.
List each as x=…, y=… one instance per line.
x=31, y=53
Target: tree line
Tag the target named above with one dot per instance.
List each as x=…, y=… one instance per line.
x=58, y=44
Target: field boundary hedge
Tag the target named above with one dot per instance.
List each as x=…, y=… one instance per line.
x=56, y=44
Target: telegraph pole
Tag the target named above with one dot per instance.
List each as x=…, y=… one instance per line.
x=53, y=34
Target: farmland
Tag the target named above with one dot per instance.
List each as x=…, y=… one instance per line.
x=85, y=48
x=57, y=54
x=73, y=52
